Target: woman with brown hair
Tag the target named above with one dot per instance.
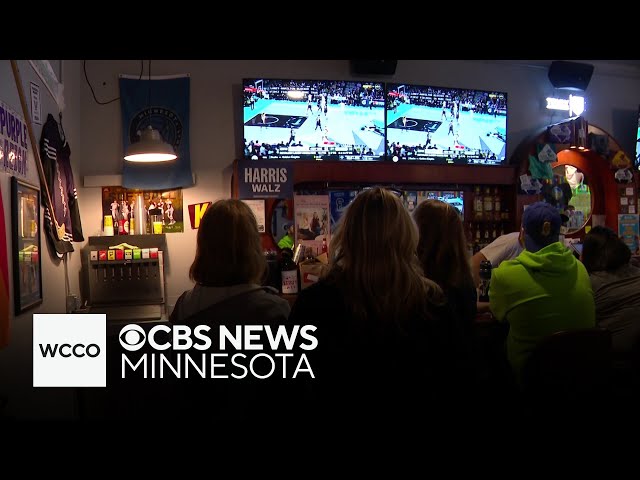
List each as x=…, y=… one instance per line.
x=228, y=268
x=384, y=340
x=442, y=250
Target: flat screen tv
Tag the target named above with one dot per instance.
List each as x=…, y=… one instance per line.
x=313, y=120
x=446, y=125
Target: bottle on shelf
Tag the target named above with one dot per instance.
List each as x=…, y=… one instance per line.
x=497, y=205
x=288, y=273
x=488, y=204
x=324, y=245
x=477, y=203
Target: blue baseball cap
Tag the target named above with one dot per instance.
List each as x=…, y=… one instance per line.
x=541, y=222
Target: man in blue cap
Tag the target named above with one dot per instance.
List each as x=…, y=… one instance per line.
x=543, y=290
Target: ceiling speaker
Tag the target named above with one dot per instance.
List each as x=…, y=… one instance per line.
x=570, y=75
x=373, y=67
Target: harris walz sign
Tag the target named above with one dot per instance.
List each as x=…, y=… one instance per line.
x=265, y=179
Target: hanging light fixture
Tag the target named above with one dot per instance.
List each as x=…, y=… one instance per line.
x=151, y=147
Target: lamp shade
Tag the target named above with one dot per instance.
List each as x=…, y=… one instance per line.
x=150, y=148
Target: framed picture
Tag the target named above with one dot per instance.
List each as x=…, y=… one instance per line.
x=25, y=226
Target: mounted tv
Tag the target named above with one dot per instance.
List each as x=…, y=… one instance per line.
x=446, y=125
x=313, y=120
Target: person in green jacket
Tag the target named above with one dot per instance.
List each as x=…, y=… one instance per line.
x=287, y=240
x=543, y=290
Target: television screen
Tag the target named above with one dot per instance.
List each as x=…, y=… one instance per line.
x=638, y=142
x=313, y=119
x=446, y=125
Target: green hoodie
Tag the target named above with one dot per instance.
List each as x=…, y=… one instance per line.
x=540, y=293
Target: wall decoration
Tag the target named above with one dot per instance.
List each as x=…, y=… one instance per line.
x=258, y=209
x=628, y=231
x=14, y=142
x=196, y=212
x=36, y=105
x=120, y=203
x=25, y=226
x=163, y=103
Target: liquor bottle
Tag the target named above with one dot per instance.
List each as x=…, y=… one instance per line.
x=120, y=217
x=288, y=273
x=488, y=204
x=132, y=218
x=324, y=245
x=477, y=203
x=485, y=280
x=497, y=205
x=124, y=209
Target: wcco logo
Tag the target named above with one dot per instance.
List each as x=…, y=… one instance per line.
x=69, y=350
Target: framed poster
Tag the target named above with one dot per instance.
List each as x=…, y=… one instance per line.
x=25, y=227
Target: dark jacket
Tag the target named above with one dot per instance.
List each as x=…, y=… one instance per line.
x=379, y=369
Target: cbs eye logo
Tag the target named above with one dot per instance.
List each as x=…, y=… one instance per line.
x=132, y=337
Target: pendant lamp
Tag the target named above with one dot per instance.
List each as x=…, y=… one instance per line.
x=150, y=147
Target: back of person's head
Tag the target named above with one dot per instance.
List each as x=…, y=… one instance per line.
x=541, y=223
x=442, y=247
x=374, y=258
x=228, y=251
x=603, y=250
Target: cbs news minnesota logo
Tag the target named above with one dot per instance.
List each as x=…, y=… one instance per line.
x=69, y=350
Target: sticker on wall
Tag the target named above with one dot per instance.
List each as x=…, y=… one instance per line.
x=559, y=134
x=529, y=185
x=599, y=143
x=258, y=209
x=196, y=211
x=547, y=153
x=623, y=175
x=620, y=160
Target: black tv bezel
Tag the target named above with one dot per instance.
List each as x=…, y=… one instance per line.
x=443, y=160
x=311, y=157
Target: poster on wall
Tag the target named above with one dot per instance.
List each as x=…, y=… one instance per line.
x=628, y=230
x=257, y=207
x=312, y=225
x=196, y=212
x=14, y=142
x=119, y=203
x=36, y=111
x=265, y=179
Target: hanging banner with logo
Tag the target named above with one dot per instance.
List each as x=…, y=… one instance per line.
x=163, y=103
x=628, y=231
x=13, y=142
x=196, y=212
x=265, y=179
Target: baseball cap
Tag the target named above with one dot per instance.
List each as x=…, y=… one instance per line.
x=541, y=222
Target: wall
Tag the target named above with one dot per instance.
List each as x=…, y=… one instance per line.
x=16, y=360
x=94, y=133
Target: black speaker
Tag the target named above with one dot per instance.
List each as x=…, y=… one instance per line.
x=570, y=75
x=374, y=67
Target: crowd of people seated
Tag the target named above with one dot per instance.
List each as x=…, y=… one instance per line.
x=396, y=312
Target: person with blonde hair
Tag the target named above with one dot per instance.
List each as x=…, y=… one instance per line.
x=383, y=329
